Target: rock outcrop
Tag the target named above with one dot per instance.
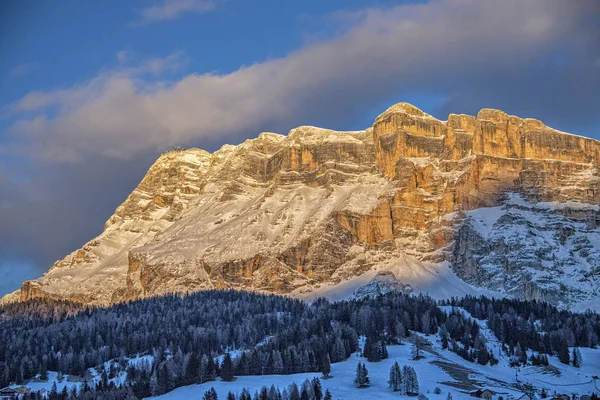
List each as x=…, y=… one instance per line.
x=287, y=214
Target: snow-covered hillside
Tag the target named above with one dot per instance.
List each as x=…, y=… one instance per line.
x=542, y=251
x=439, y=368
x=162, y=346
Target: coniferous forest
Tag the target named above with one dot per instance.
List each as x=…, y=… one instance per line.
x=190, y=337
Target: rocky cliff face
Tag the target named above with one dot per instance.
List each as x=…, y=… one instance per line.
x=292, y=214
x=536, y=251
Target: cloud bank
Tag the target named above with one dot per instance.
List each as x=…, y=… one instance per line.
x=445, y=45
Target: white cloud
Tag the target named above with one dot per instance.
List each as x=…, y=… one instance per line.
x=123, y=56
x=122, y=112
x=171, y=9
x=22, y=70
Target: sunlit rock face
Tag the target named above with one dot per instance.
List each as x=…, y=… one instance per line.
x=289, y=214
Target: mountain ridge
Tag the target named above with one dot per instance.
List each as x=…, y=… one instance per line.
x=290, y=214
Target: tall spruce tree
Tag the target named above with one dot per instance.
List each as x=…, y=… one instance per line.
x=210, y=394
x=361, y=380
x=317, y=389
x=395, y=382
x=325, y=365
x=227, y=369
x=576, y=357
x=294, y=392
x=411, y=383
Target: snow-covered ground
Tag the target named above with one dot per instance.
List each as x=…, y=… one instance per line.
x=437, y=280
x=440, y=368
x=95, y=376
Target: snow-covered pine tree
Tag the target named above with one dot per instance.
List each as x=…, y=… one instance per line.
x=411, y=383
x=339, y=351
x=277, y=362
x=365, y=375
x=395, y=382
x=361, y=380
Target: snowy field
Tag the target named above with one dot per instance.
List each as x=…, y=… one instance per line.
x=440, y=368
x=457, y=375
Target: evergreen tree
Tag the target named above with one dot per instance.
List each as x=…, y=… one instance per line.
x=304, y=394
x=563, y=352
x=53, y=395
x=317, y=389
x=245, y=395
x=576, y=357
x=327, y=395
x=521, y=354
x=294, y=392
x=242, y=367
x=226, y=372
x=274, y=393
x=369, y=351
x=231, y=396
x=417, y=348
x=211, y=372
x=325, y=365
x=277, y=363
x=192, y=370
x=361, y=380
x=411, y=383
x=339, y=351
x=395, y=381
x=210, y=394
x=382, y=350
x=255, y=365
x=444, y=342
x=43, y=371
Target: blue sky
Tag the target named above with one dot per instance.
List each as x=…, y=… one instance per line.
x=91, y=92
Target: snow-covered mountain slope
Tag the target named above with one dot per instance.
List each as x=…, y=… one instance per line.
x=302, y=213
x=533, y=251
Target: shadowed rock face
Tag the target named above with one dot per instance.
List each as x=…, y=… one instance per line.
x=286, y=214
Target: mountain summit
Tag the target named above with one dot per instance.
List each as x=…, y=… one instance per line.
x=468, y=205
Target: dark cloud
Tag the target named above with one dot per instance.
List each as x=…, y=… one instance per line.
x=538, y=58
x=52, y=210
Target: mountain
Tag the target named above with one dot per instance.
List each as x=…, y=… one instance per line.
x=485, y=204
